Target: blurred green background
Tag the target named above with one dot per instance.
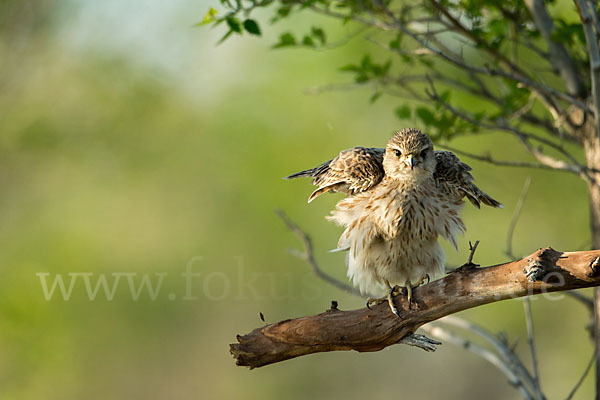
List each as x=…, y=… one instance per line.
x=131, y=143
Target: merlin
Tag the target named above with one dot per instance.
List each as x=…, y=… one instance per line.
x=400, y=199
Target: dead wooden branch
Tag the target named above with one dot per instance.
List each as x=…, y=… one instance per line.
x=362, y=330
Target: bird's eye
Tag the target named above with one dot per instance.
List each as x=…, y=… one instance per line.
x=398, y=153
x=424, y=153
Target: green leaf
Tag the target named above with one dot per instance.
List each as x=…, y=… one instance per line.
x=361, y=78
x=229, y=32
x=234, y=24
x=403, y=112
x=445, y=96
x=479, y=115
x=307, y=41
x=425, y=61
x=397, y=42
x=307, y=3
x=425, y=115
x=365, y=62
x=350, y=68
x=319, y=34
x=211, y=16
x=251, y=26
x=374, y=97
x=282, y=12
x=446, y=122
x=285, y=40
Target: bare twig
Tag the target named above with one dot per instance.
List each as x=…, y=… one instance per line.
x=472, y=249
x=583, y=299
x=596, y=22
x=526, y=302
x=501, y=347
x=515, y=218
x=585, y=373
x=504, y=366
x=308, y=256
x=560, y=57
x=531, y=342
x=504, y=163
x=594, y=55
x=420, y=341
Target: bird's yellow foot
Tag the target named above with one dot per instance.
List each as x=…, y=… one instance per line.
x=422, y=280
x=410, y=287
x=394, y=291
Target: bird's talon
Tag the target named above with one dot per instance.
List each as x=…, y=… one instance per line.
x=375, y=301
x=409, y=292
x=396, y=290
x=390, y=300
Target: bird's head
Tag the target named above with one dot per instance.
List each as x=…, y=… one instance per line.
x=409, y=153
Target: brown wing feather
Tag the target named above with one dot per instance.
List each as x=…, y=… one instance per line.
x=454, y=176
x=352, y=171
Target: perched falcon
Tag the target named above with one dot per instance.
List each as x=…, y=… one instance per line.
x=399, y=200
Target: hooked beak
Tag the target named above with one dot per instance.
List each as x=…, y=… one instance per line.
x=411, y=161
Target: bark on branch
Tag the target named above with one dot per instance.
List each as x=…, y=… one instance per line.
x=544, y=271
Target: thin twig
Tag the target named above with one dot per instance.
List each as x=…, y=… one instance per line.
x=515, y=217
x=594, y=56
x=582, y=378
x=501, y=347
x=558, y=53
x=531, y=341
x=448, y=336
x=583, y=299
x=472, y=249
x=504, y=163
x=308, y=256
x=526, y=302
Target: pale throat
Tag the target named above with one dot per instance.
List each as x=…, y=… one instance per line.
x=410, y=179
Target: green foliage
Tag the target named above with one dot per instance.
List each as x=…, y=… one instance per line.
x=396, y=43
x=367, y=70
x=210, y=17
x=403, y=112
x=319, y=34
x=234, y=24
x=570, y=34
x=316, y=37
x=491, y=34
x=425, y=115
x=251, y=26
x=285, y=40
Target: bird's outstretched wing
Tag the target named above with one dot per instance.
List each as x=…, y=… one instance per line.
x=453, y=176
x=352, y=171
